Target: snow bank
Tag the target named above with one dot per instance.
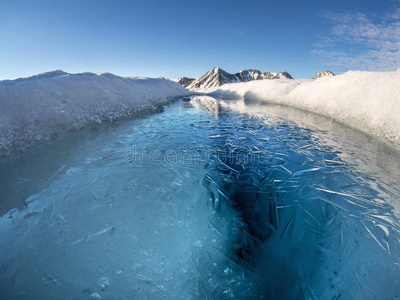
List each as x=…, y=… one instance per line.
x=42, y=106
x=367, y=101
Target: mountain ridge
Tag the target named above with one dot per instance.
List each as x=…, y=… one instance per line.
x=184, y=81
x=218, y=77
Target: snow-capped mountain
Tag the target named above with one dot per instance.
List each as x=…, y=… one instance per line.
x=217, y=77
x=323, y=74
x=184, y=81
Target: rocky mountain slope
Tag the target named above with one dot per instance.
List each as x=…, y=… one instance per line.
x=323, y=74
x=184, y=81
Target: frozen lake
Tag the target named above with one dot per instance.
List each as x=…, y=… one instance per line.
x=210, y=199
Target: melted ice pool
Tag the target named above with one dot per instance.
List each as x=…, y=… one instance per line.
x=209, y=199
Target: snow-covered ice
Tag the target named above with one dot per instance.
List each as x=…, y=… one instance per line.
x=366, y=101
x=45, y=105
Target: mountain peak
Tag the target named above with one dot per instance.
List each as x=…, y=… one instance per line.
x=324, y=73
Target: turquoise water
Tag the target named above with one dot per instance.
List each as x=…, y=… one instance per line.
x=208, y=199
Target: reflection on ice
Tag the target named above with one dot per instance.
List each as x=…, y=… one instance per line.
x=288, y=206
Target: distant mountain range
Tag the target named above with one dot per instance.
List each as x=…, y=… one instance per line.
x=217, y=77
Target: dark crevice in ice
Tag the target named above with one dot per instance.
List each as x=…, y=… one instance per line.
x=285, y=204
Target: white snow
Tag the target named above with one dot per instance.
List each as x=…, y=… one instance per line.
x=42, y=106
x=366, y=101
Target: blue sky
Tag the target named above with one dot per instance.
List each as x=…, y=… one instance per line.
x=187, y=38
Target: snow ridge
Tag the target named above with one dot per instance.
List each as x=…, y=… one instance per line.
x=41, y=106
x=367, y=101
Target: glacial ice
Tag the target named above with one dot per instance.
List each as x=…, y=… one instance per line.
x=95, y=215
x=45, y=105
x=366, y=101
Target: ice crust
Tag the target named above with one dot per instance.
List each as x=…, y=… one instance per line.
x=89, y=224
x=45, y=105
x=366, y=101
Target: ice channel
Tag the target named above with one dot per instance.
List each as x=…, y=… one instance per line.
x=210, y=199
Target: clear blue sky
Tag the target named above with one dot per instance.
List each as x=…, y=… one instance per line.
x=187, y=38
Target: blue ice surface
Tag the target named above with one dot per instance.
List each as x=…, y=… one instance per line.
x=210, y=199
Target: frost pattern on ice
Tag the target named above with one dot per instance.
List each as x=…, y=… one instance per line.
x=367, y=101
x=303, y=221
x=45, y=105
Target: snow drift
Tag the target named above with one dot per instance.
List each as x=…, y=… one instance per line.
x=367, y=101
x=42, y=106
